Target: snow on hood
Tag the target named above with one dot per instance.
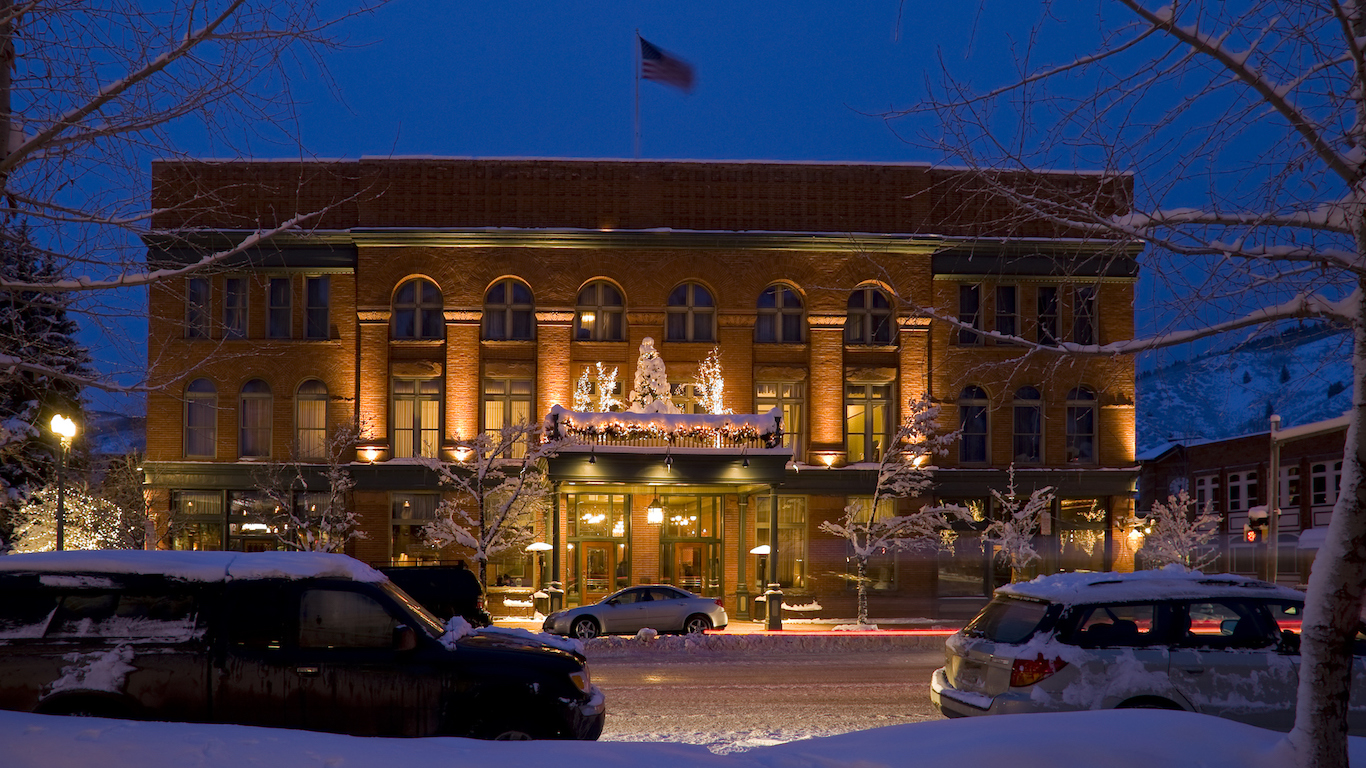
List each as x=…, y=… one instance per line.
x=195, y=566
x=1170, y=583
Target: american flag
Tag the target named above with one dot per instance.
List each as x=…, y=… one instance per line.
x=658, y=65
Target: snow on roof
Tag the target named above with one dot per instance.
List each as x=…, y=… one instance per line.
x=195, y=566
x=1170, y=583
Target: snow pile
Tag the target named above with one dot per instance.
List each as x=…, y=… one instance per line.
x=856, y=627
x=98, y=671
x=456, y=628
x=1113, y=738
x=646, y=634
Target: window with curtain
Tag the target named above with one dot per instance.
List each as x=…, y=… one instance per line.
x=198, y=520
x=253, y=412
x=1084, y=314
x=882, y=564
x=1028, y=432
x=867, y=420
x=417, y=311
x=599, y=314
x=1081, y=426
x=235, y=308
x=781, y=317
x=1007, y=311
x=1047, y=309
x=972, y=420
x=197, y=308
x=279, y=308
x=509, y=314
x=691, y=314
x=201, y=418
x=507, y=402
x=310, y=420
x=318, y=297
x=409, y=512
x=789, y=398
x=868, y=318
x=417, y=417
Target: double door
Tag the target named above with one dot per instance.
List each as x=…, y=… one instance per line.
x=603, y=568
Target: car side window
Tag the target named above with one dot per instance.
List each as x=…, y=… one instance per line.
x=664, y=594
x=1224, y=624
x=259, y=615
x=1120, y=626
x=26, y=613
x=129, y=614
x=1287, y=616
x=335, y=618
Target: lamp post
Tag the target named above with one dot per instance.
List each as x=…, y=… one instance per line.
x=1273, y=503
x=65, y=429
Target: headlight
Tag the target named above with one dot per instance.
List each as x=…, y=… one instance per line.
x=580, y=679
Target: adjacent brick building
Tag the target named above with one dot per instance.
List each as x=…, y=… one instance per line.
x=433, y=298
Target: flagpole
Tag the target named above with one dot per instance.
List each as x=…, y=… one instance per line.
x=637, y=122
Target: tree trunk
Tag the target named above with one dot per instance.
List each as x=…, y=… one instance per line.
x=1333, y=602
x=862, y=590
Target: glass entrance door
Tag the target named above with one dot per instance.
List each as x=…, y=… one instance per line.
x=600, y=565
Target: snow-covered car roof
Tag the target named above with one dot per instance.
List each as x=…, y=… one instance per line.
x=1170, y=583
x=194, y=566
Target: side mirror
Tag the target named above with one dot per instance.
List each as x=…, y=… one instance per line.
x=405, y=638
x=1228, y=626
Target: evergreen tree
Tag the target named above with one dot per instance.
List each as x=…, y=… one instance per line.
x=36, y=330
x=651, y=391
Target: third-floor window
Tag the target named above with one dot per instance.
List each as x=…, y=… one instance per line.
x=509, y=314
x=417, y=311
x=691, y=314
x=599, y=314
x=868, y=318
x=279, y=308
x=780, y=318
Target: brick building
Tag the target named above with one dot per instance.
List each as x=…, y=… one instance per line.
x=433, y=298
x=1229, y=476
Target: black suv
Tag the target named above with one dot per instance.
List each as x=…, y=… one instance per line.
x=294, y=640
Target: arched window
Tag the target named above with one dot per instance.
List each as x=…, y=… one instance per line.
x=310, y=420
x=868, y=319
x=692, y=314
x=201, y=418
x=1081, y=426
x=1028, y=438
x=781, y=320
x=972, y=419
x=253, y=420
x=417, y=311
x=600, y=313
x=508, y=312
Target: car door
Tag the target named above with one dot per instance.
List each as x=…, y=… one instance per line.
x=668, y=609
x=1228, y=662
x=1126, y=655
x=354, y=672
x=255, y=680
x=626, y=612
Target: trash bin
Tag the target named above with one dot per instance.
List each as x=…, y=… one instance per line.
x=541, y=601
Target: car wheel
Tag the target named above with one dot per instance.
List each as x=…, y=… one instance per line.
x=513, y=734
x=584, y=628
x=696, y=624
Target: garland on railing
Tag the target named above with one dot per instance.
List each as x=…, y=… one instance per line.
x=629, y=430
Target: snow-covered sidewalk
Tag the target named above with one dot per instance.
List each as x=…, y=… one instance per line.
x=1115, y=739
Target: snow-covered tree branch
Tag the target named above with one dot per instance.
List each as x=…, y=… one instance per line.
x=1178, y=533
x=320, y=517
x=1013, y=527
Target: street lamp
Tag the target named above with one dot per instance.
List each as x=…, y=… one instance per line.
x=65, y=429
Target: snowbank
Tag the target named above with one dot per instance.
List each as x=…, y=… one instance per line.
x=1113, y=738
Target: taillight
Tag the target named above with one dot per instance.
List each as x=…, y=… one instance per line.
x=718, y=602
x=1030, y=671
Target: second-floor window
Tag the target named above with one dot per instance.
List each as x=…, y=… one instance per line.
x=279, y=308
x=780, y=317
x=254, y=416
x=1207, y=492
x=1048, y=315
x=197, y=308
x=600, y=313
x=970, y=314
x=310, y=420
x=972, y=419
x=1007, y=311
x=868, y=317
x=1081, y=426
x=1028, y=422
x=418, y=311
x=417, y=417
x=235, y=308
x=507, y=402
x=1084, y=314
x=867, y=420
x=691, y=314
x=318, y=301
x=201, y=419
x=1242, y=491
x=508, y=312
x=788, y=396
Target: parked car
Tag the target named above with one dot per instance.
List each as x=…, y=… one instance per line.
x=1221, y=645
x=297, y=640
x=444, y=590
x=660, y=607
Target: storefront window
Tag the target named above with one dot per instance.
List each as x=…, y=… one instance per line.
x=409, y=512
x=197, y=520
x=691, y=543
x=1081, y=534
x=882, y=566
x=792, y=540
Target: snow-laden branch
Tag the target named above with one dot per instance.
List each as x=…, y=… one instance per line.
x=1336, y=216
x=1275, y=95
x=10, y=364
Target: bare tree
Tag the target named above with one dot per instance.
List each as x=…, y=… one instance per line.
x=1179, y=533
x=312, y=509
x=1242, y=130
x=1011, y=533
x=905, y=471
x=499, y=487
x=89, y=94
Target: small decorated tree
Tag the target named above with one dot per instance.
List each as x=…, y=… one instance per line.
x=651, y=391
x=583, y=392
x=607, y=389
x=1177, y=533
x=710, y=384
x=1012, y=534
x=906, y=470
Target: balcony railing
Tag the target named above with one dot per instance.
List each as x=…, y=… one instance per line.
x=668, y=430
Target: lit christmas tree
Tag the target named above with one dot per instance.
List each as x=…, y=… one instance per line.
x=651, y=391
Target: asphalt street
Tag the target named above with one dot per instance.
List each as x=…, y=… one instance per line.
x=734, y=701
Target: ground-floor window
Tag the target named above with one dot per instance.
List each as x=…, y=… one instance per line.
x=962, y=567
x=690, y=543
x=792, y=540
x=1081, y=535
x=882, y=564
x=409, y=512
x=254, y=522
x=196, y=520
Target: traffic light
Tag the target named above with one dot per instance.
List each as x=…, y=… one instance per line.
x=1254, y=531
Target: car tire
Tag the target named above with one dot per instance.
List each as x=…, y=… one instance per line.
x=696, y=624
x=585, y=628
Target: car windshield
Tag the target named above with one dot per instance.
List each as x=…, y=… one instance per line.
x=428, y=623
x=1007, y=620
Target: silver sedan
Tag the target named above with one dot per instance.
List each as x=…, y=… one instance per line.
x=660, y=607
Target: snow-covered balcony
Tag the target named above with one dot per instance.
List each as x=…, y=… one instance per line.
x=731, y=431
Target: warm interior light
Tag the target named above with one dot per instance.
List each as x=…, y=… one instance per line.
x=654, y=514
x=587, y=318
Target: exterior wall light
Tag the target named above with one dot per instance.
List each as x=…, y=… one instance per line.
x=654, y=513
